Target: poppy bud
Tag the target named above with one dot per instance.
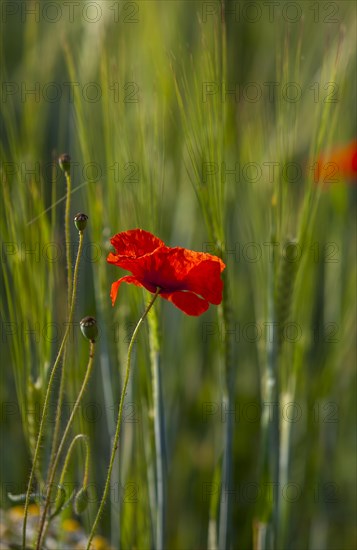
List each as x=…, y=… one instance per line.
x=81, y=500
x=89, y=328
x=80, y=221
x=64, y=162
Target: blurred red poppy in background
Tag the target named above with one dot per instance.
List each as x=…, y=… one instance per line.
x=340, y=164
x=190, y=280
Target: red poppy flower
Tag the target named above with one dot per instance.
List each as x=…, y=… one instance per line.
x=190, y=280
x=341, y=163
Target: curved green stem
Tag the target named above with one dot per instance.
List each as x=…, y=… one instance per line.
x=79, y=437
x=118, y=426
x=61, y=445
x=49, y=387
x=68, y=238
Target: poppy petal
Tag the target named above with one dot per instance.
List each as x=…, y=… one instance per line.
x=204, y=279
x=148, y=266
x=181, y=269
x=340, y=164
x=130, y=280
x=188, y=302
x=115, y=286
x=135, y=243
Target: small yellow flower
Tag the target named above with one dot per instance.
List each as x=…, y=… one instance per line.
x=71, y=525
x=17, y=512
x=99, y=543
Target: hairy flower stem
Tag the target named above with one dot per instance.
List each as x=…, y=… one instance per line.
x=118, y=426
x=68, y=239
x=52, y=473
x=159, y=429
x=49, y=387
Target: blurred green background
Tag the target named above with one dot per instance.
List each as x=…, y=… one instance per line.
x=103, y=81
